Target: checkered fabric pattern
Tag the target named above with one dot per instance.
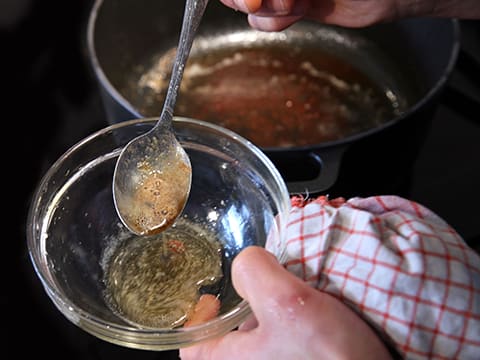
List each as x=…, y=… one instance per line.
x=396, y=263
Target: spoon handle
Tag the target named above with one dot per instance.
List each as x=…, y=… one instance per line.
x=192, y=17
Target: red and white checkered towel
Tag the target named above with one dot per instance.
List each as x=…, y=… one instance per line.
x=400, y=266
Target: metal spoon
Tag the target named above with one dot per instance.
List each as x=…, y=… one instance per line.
x=153, y=174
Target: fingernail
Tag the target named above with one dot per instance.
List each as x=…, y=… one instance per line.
x=272, y=23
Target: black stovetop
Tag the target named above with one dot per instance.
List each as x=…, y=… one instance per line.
x=54, y=98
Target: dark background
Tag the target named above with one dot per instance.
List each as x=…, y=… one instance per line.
x=52, y=101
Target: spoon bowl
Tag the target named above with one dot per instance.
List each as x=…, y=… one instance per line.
x=152, y=181
x=152, y=177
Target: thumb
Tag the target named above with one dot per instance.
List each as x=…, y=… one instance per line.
x=266, y=285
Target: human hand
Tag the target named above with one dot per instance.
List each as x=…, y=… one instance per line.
x=292, y=320
x=274, y=15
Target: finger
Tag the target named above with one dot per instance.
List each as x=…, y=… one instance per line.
x=272, y=23
x=267, y=286
x=278, y=15
x=246, y=6
x=272, y=293
x=249, y=324
x=206, y=309
x=276, y=8
x=230, y=4
x=235, y=342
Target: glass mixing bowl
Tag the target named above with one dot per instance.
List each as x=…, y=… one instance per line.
x=237, y=194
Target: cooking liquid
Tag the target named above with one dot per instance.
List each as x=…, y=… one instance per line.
x=155, y=281
x=158, y=198
x=275, y=96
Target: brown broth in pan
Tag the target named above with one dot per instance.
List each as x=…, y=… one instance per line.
x=275, y=96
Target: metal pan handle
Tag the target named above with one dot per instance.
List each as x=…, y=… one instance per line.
x=328, y=161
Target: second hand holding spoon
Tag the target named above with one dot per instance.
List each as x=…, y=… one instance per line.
x=153, y=174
